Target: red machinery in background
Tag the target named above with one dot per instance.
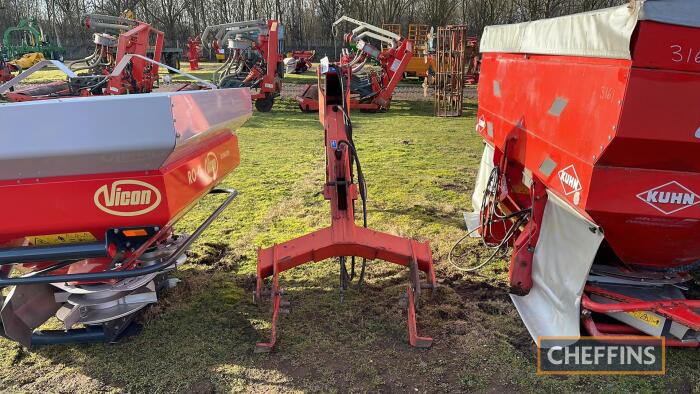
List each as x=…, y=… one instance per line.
x=343, y=237
x=88, y=234
x=253, y=60
x=371, y=91
x=591, y=169
x=194, y=46
x=7, y=70
x=118, y=65
x=298, y=62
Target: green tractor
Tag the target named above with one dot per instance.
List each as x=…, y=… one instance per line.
x=28, y=37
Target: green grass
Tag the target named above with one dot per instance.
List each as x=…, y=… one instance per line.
x=200, y=337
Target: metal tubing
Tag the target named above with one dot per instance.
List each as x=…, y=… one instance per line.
x=52, y=253
x=172, y=259
x=589, y=304
x=595, y=331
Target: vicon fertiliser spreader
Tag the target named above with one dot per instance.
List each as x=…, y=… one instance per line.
x=89, y=200
x=591, y=169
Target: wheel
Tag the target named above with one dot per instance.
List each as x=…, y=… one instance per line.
x=265, y=104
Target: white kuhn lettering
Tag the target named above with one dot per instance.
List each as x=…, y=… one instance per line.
x=670, y=197
x=127, y=198
x=570, y=181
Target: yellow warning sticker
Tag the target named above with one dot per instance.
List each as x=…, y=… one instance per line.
x=57, y=239
x=649, y=318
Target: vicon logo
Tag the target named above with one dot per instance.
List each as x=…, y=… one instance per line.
x=570, y=181
x=211, y=165
x=670, y=197
x=127, y=198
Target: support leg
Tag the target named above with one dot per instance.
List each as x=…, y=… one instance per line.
x=413, y=338
x=413, y=291
x=276, y=294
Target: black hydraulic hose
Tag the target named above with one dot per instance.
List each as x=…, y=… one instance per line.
x=172, y=259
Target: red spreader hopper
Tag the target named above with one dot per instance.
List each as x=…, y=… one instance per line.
x=91, y=188
x=592, y=160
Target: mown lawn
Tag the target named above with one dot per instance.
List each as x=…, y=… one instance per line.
x=200, y=337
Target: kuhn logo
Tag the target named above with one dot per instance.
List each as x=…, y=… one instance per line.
x=127, y=198
x=569, y=180
x=670, y=197
x=481, y=124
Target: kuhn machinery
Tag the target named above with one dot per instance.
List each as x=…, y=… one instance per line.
x=253, y=60
x=343, y=238
x=118, y=65
x=591, y=169
x=87, y=235
x=373, y=90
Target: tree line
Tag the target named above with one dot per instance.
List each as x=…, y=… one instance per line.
x=307, y=23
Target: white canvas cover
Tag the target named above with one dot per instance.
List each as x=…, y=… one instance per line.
x=563, y=257
x=602, y=33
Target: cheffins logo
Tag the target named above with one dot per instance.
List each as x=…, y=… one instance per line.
x=670, y=197
x=127, y=198
x=570, y=181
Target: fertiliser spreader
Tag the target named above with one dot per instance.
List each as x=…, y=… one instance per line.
x=591, y=170
x=90, y=196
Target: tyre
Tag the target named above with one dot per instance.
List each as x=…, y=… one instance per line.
x=265, y=104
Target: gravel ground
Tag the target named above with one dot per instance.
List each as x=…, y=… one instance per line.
x=404, y=92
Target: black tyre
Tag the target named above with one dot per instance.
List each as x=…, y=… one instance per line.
x=265, y=104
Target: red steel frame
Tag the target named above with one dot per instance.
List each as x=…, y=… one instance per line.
x=144, y=74
x=268, y=46
x=680, y=311
x=138, y=78
x=393, y=63
x=343, y=237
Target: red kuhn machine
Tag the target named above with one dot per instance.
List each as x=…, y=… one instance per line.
x=253, y=58
x=371, y=90
x=591, y=169
x=89, y=236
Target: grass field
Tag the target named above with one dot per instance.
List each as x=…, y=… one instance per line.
x=200, y=337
